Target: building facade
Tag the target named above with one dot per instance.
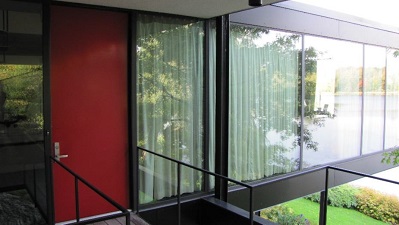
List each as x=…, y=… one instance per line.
x=265, y=97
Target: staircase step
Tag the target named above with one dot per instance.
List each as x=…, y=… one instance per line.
x=134, y=220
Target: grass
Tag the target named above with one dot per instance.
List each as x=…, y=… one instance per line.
x=335, y=215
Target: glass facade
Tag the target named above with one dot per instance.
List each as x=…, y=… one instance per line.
x=295, y=101
x=392, y=99
x=333, y=97
x=347, y=87
x=374, y=99
x=170, y=103
x=264, y=113
x=22, y=156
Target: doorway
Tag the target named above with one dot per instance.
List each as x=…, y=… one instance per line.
x=89, y=107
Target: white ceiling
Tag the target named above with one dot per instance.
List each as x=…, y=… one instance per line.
x=193, y=8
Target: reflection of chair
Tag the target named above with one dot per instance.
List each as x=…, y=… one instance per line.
x=325, y=110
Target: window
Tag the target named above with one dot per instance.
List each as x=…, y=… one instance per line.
x=374, y=99
x=170, y=103
x=333, y=97
x=264, y=113
x=392, y=99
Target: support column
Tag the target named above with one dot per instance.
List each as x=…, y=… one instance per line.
x=222, y=106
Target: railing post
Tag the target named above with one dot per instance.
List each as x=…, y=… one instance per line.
x=128, y=218
x=178, y=194
x=324, y=202
x=251, y=206
x=77, y=199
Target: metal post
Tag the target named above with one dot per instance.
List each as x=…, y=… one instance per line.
x=128, y=219
x=77, y=199
x=34, y=185
x=323, y=207
x=251, y=206
x=178, y=195
x=222, y=107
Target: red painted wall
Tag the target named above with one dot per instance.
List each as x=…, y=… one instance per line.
x=89, y=106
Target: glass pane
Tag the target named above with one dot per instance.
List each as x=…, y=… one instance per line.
x=333, y=98
x=212, y=101
x=374, y=99
x=22, y=167
x=264, y=113
x=392, y=99
x=169, y=98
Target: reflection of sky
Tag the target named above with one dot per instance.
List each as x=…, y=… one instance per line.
x=381, y=11
x=272, y=36
x=343, y=53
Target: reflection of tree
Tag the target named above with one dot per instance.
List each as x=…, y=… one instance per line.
x=311, y=56
x=167, y=90
x=22, y=85
x=169, y=101
x=267, y=90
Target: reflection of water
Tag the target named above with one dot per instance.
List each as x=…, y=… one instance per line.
x=340, y=137
x=384, y=187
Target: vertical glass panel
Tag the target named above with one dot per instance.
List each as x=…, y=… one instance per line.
x=374, y=99
x=264, y=113
x=170, y=101
x=333, y=100
x=392, y=100
x=22, y=167
x=212, y=101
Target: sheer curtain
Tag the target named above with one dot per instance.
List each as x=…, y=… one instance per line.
x=263, y=103
x=170, y=99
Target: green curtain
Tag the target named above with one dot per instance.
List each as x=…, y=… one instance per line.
x=170, y=103
x=263, y=103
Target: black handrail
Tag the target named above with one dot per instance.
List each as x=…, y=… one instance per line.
x=323, y=207
x=124, y=212
x=179, y=163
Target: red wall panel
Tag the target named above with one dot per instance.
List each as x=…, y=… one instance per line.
x=89, y=106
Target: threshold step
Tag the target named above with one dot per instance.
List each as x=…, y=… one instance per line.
x=134, y=220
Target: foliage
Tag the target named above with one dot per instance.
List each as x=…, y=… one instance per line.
x=379, y=206
x=283, y=215
x=391, y=157
x=343, y=196
x=290, y=219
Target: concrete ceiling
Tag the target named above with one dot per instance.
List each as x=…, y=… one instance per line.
x=193, y=8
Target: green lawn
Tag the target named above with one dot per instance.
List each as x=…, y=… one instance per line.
x=335, y=215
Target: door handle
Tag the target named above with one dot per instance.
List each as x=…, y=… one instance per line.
x=57, y=154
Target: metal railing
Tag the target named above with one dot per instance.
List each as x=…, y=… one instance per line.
x=324, y=197
x=180, y=164
x=124, y=212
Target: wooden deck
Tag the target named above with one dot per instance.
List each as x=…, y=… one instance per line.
x=134, y=220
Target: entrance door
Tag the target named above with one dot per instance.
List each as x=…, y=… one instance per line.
x=89, y=107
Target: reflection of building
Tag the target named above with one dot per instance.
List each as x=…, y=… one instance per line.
x=159, y=77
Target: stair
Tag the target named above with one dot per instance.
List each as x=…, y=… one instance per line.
x=134, y=220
